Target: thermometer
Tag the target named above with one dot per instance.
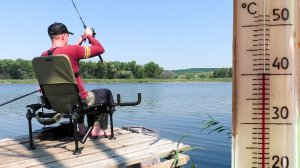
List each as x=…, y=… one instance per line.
x=266, y=73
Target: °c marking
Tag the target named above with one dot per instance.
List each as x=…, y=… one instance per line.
x=249, y=8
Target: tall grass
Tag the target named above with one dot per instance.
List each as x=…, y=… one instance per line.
x=212, y=125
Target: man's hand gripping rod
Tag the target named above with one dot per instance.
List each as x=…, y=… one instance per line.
x=94, y=33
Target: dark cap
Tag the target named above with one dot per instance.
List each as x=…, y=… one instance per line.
x=57, y=28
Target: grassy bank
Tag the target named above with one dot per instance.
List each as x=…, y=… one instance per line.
x=128, y=80
x=25, y=81
x=156, y=80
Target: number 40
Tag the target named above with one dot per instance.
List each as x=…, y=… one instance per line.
x=282, y=63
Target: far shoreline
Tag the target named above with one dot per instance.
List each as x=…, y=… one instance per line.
x=31, y=81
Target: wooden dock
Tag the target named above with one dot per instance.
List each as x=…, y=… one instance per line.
x=127, y=150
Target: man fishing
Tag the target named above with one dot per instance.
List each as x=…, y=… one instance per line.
x=59, y=36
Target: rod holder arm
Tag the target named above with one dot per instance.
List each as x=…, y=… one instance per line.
x=119, y=103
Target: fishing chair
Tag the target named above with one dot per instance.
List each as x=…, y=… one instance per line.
x=60, y=94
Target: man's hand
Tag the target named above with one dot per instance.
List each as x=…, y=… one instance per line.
x=88, y=31
x=80, y=40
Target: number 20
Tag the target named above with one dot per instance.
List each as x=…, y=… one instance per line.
x=282, y=162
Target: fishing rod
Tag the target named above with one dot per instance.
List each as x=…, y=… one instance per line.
x=84, y=26
x=19, y=97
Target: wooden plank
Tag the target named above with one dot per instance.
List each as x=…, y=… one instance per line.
x=24, y=140
x=92, y=146
x=13, y=141
x=183, y=159
x=47, y=158
x=128, y=149
x=100, y=156
x=130, y=158
x=46, y=144
x=88, y=150
x=22, y=151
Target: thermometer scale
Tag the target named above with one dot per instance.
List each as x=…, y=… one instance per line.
x=266, y=67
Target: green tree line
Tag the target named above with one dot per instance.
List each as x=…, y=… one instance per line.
x=222, y=73
x=18, y=69
x=206, y=73
x=22, y=69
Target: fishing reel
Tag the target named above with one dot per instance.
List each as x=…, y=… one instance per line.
x=93, y=30
x=94, y=34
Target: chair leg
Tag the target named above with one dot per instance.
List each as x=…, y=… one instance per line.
x=71, y=121
x=75, y=119
x=29, y=116
x=111, y=126
x=90, y=119
x=86, y=135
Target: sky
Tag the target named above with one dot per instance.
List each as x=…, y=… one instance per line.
x=175, y=34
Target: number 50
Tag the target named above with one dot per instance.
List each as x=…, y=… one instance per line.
x=284, y=14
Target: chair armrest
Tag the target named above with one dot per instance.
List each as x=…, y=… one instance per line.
x=34, y=107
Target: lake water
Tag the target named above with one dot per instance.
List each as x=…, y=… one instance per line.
x=172, y=109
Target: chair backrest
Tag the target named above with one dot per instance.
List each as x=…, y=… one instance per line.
x=57, y=81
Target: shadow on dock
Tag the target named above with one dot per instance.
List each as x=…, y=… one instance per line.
x=127, y=149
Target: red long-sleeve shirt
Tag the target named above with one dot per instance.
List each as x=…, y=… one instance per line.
x=77, y=52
